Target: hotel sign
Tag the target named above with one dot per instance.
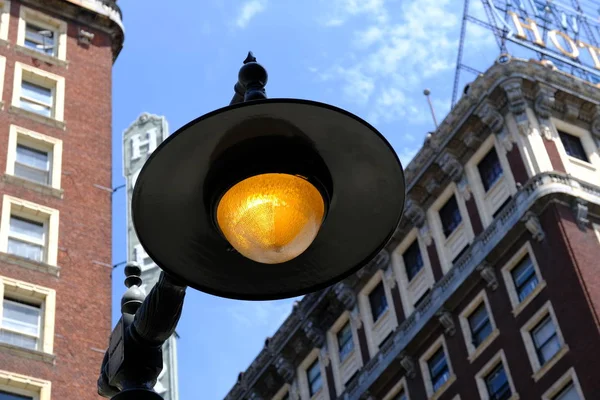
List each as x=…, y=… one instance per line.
x=565, y=32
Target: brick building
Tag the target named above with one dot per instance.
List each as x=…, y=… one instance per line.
x=56, y=60
x=490, y=287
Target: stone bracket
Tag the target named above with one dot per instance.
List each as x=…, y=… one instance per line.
x=544, y=100
x=446, y=320
x=488, y=273
x=314, y=333
x=533, y=225
x=414, y=213
x=580, y=209
x=409, y=365
x=449, y=163
x=345, y=295
x=285, y=369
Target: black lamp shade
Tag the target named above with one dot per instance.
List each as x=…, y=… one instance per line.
x=345, y=158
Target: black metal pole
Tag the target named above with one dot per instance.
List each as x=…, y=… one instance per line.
x=133, y=361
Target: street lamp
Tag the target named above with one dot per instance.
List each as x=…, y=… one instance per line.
x=264, y=199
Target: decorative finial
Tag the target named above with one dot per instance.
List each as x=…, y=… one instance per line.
x=133, y=296
x=250, y=58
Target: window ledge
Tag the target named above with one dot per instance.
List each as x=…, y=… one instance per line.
x=495, y=186
x=27, y=353
x=381, y=318
x=29, y=264
x=521, y=306
x=40, y=56
x=542, y=371
x=4, y=43
x=454, y=234
x=38, y=187
x=484, y=345
x=443, y=388
x=36, y=117
x=581, y=163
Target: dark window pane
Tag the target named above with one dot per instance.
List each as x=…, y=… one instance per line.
x=490, y=169
x=450, y=216
x=345, y=342
x=422, y=298
x=314, y=378
x=480, y=325
x=413, y=261
x=573, y=146
x=438, y=369
x=545, y=340
x=525, y=278
x=499, y=210
x=400, y=396
x=378, y=301
x=497, y=384
x=11, y=396
x=567, y=393
x=40, y=39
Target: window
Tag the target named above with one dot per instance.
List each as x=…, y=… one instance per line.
x=569, y=392
x=401, y=396
x=29, y=231
x=421, y=299
x=40, y=39
x=40, y=33
x=345, y=341
x=20, y=387
x=413, y=261
x=313, y=374
x=11, y=396
x=497, y=384
x=27, y=316
x=4, y=19
x=525, y=278
x=32, y=164
x=438, y=369
x=480, y=325
x=378, y=301
x=450, y=216
x=573, y=146
x=38, y=92
x=36, y=98
x=545, y=339
x=490, y=169
x=21, y=324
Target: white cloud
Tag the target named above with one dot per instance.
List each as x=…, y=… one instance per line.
x=268, y=315
x=249, y=10
x=346, y=9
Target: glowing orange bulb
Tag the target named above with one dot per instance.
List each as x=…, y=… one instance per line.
x=271, y=218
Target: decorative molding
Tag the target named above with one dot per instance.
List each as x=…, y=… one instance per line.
x=345, y=295
x=464, y=188
x=595, y=125
x=533, y=225
x=409, y=365
x=571, y=109
x=314, y=333
x=544, y=100
x=414, y=213
x=580, y=209
x=285, y=369
x=294, y=391
x=505, y=138
x=490, y=116
x=449, y=163
x=324, y=356
x=84, y=37
x=366, y=395
x=446, y=320
x=270, y=382
x=254, y=395
x=355, y=317
x=488, y=273
x=425, y=234
x=390, y=278
x=513, y=88
x=432, y=185
x=471, y=140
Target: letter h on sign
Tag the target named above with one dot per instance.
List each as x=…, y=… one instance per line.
x=143, y=144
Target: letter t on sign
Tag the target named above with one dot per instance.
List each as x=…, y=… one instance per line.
x=143, y=143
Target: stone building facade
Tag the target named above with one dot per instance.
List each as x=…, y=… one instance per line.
x=56, y=59
x=490, y=288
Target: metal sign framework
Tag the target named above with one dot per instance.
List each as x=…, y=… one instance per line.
x=566, y=32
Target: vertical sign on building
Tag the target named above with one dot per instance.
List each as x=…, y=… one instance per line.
x=139, y=141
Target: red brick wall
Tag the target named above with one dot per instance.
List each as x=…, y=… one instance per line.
x=83, y=315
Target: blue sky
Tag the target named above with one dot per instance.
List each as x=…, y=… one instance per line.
x=371, y=57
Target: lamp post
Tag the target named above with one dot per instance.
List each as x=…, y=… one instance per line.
x=264, y=199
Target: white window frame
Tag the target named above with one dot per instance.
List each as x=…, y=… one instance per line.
x=38, y=141
x=424, y=364
x=498, y=358
x=342, y=371
x=401, y=385
x=587, y=171
x=540, y=370
x=502, y=189
x=24, y=385
x=43, y=21
x=597, y=230
x=2, y=62
x=302, y=375
x=45, y=297
x=473, y=352
x=4, y=19
x=568, y=377
x=412, y=291
x=35, y=212
x=377, y=331
x=43, y=78
x=517, y=306
x=285, y=389
x=449, y=247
